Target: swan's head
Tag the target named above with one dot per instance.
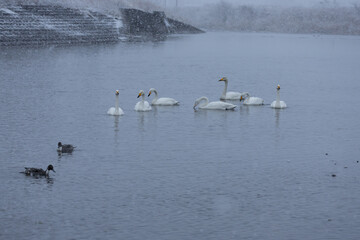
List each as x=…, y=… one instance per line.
x=150, y=91
x=141, y=93
x=278, y=87
x=223, y=79
x=196, y=103
x=244, y=96
x=199, y=100
x=50, y=167
x=117, y=92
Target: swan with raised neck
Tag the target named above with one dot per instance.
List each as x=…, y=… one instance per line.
x=143, y=105
x=277, y=103
x=229, y=95
x=116, y=111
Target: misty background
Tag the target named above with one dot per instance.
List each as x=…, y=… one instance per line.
x=293, y=16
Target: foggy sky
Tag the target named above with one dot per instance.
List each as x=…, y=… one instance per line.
x=286, y=3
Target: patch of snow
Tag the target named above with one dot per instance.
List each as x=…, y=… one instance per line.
x=167, y=24
x=49, y=26
x=75, y=33
x=118, y=23
x=87, y=13
x=122, y=38
x=8, y=11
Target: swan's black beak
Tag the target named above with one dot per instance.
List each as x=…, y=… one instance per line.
x=139, y=95
x=149, y=94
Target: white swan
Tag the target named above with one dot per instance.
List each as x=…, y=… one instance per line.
x=143, y=105
x=218, y=105
x=229, y=95
x=251, y=100
x=116, y=111
x=164, y=101
x=277, y=103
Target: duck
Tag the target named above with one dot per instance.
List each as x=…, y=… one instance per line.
x=248, y=100
x=277, y=103
x=38, y=172
x=65, y=148
x=143, y=105
x=229, y=95
x=217, y=105
x=116, y=111
x=164, y=101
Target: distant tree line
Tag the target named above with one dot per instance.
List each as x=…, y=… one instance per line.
x=323, y=19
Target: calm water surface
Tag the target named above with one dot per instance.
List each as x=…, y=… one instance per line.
x=172, y=173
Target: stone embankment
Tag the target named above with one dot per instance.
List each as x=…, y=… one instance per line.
x=45, y=24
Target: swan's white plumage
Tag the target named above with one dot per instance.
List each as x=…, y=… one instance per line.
x=281, y=104
x=112, y=111
x=248, y=100
x=116, y=111
x=229, y=95
x=164, y=101
x=204, y=103
x=277, y=103
x=143, y=105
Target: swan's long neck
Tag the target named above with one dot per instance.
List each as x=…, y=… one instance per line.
x=206, y=101
x=143, y=98
x=225, y=90
x=156, y=96
x=117, y=104
x=277, y=98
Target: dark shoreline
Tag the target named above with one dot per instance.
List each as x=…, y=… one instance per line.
x=23, y=25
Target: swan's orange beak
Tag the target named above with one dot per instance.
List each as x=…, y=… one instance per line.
x=139, y=95
x=117, y=92
x=149, y=94
x=241, y=98
x=221, y=79
x=278, y=87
